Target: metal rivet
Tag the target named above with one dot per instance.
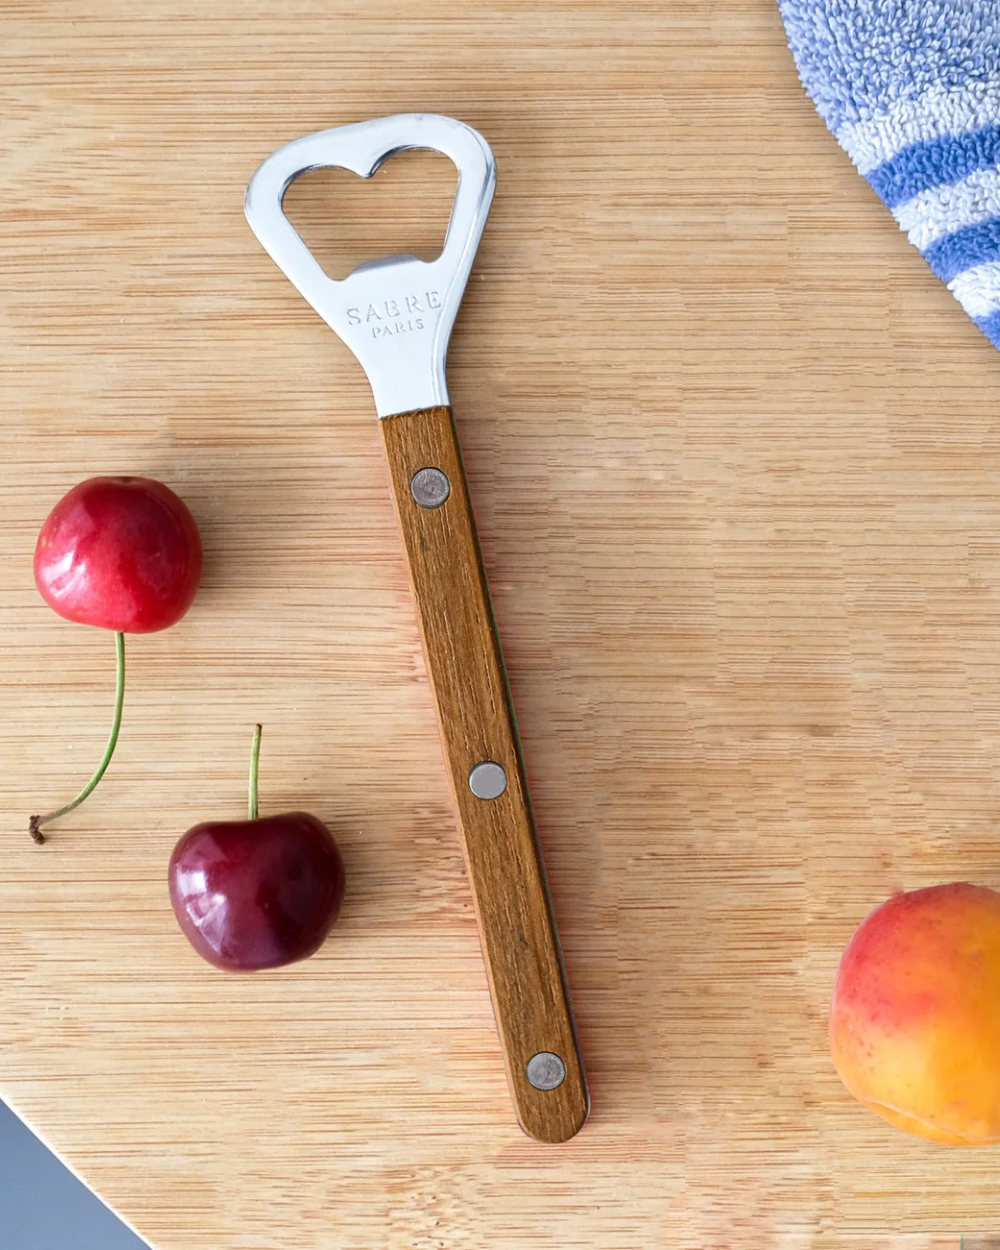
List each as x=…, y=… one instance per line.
x=546, y=1070
x=487, y=780
x=430, y=487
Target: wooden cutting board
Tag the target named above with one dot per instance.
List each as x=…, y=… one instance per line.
x=736, y=461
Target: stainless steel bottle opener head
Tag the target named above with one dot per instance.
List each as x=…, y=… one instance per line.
x=395, y=314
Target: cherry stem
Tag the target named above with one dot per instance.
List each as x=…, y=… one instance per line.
x=36, y=822
x=254, y=768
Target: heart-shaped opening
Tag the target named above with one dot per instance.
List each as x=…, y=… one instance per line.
x=404, y=208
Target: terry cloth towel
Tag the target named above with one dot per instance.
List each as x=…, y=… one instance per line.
x=911, y=91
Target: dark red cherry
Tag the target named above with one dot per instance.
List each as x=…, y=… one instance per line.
x=253, y=894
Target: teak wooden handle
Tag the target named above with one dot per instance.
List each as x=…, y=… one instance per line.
x=476, y=719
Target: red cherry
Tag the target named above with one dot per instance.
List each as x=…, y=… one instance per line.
x=123, y=553
x=119, y=552
x=253, y=894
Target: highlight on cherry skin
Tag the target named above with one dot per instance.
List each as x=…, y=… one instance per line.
x=120, y=553
x=257, y=893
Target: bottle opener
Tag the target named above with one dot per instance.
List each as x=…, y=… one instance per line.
x=396, y=316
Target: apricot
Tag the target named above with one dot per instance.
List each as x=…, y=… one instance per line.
x=915, y=1019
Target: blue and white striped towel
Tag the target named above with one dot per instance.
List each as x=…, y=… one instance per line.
x=911, y=90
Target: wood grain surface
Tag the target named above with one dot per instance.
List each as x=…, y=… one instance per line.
x=735, y=456
x=503, y=860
